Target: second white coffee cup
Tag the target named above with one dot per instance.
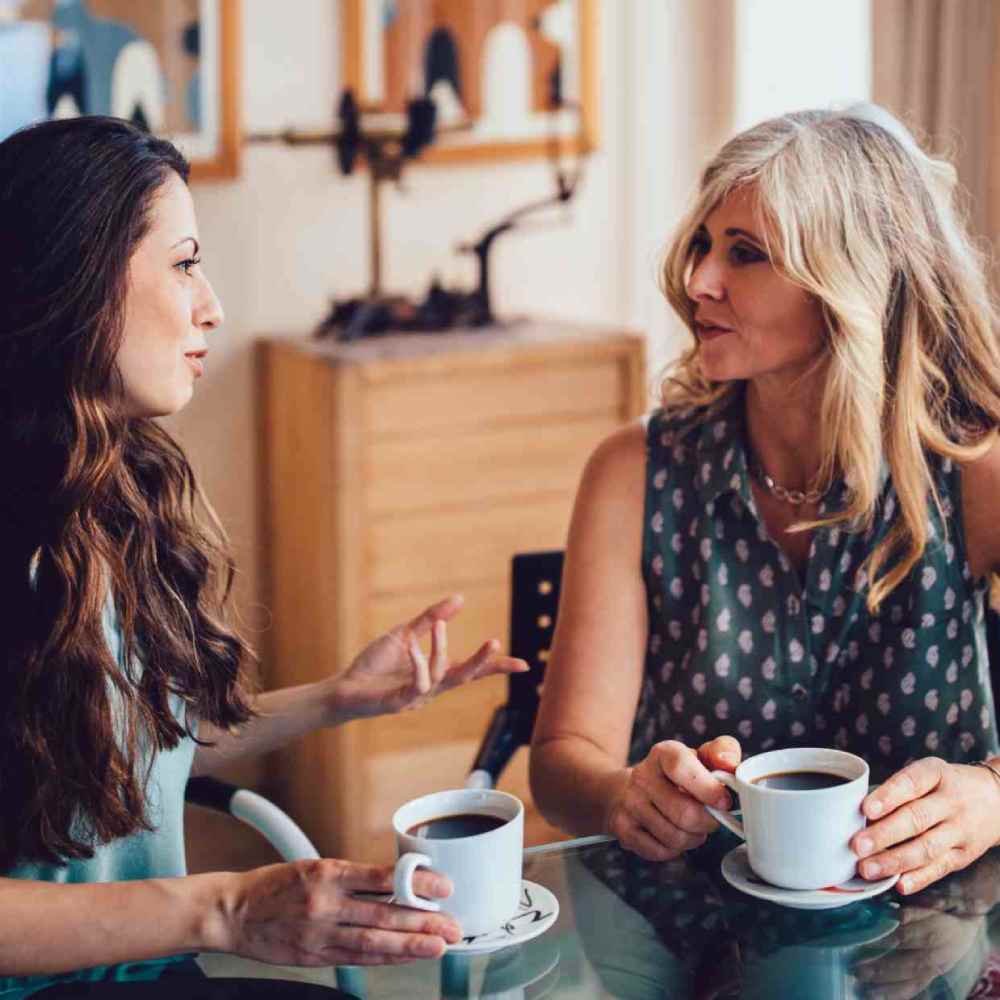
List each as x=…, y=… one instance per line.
x=485, y=868
x=798, y=839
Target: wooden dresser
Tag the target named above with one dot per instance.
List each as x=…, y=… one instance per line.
x=397, y=471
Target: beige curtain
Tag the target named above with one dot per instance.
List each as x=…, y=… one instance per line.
x=937, y=67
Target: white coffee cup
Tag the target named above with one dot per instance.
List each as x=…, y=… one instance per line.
x=798, y=839
x=484, y=868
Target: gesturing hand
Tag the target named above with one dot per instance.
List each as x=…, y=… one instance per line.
x=927, y=820
x=305, y=913
x=393, y=673
x=660, y=811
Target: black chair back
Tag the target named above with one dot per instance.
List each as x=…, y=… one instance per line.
x=534, y=601
x=993, y=651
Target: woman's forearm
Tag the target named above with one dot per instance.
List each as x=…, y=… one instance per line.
x=574, y=784
x=284, y=715
x=50, y=927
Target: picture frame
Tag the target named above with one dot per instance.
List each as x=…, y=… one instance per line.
x=171, y=66
x=487, y=63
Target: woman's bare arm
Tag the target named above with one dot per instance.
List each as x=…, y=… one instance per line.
x=50, y=927
x=291, y=913
x=594, y=674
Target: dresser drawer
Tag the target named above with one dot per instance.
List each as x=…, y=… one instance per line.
x=455, y=548
x=468, y=467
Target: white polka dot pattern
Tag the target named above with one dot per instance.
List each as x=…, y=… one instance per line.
x=740, y=644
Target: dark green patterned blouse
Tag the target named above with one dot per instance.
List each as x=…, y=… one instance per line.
x=740, y=645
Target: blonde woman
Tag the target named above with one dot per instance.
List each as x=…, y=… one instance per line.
x=797, y=549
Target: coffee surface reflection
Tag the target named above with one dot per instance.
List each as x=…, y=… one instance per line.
x=799, y=781
x=455, y=826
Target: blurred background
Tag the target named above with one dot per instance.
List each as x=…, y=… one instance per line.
x=360, y=480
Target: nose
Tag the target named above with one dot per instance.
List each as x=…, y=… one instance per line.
x=208, y=309
x=705, y=282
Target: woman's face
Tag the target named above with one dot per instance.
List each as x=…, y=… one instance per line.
x=169, y=309
x=750, y=320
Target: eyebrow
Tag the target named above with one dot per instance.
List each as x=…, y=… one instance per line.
x=197, y=247
x=734, y=231
x=743, y=232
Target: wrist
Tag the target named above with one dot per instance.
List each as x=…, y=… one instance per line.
x=215, y=906
x=337, y=708
x=617, y=782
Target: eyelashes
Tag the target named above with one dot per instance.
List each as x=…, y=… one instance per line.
x=186, y=265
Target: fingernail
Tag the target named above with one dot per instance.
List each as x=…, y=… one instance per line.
x=865, y=846
x=906, y=883
x=874, y=808
x=728, y=758
x=872, y=869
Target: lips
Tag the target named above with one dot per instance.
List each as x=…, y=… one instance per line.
x=195, y=359
x=709, y=330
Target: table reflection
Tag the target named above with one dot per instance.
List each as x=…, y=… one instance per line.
x=639, y=931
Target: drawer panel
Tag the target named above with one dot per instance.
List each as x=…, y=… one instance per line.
x=485, y=615
x=460, y=714
x=454, y=548
x=493, y=396
x=421, y=472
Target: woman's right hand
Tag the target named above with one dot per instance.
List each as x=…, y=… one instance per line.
x=305, y=913
x=660, y=811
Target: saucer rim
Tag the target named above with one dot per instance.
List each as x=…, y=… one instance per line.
x=536, y=931
x=803, y=899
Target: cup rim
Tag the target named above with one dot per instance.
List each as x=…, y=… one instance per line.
x=503, y=797
x=758, y=758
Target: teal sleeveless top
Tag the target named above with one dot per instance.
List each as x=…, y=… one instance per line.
x=158, y=853
x=739, y=644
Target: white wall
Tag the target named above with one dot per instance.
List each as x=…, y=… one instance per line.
x=290, y=232
x=794, y=54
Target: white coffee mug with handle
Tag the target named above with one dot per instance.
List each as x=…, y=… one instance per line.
x=485, y=868
x=798, y=839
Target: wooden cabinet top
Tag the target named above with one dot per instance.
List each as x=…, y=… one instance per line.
x=533, y=336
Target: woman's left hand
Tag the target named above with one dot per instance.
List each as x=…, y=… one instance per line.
x=393, y=673
x=927, y=820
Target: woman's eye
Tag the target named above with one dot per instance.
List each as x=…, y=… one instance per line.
x=186, y=265
x=742, y=253
x=698, y=247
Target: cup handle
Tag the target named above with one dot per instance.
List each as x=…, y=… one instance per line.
x=402, y=882
x=727, y=819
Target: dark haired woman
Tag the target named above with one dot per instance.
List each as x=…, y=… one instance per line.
x=119, y=674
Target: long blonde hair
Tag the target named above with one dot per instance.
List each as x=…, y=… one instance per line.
x=860, y=217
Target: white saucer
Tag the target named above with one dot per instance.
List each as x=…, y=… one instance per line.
x=737, y=872
x=536, y=913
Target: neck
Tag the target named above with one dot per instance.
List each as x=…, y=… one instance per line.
x=784, y=429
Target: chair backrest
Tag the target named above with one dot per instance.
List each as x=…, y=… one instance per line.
x=534, y=601
x=993, y=653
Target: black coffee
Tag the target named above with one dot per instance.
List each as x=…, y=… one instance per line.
x=455, y=826
x=800, y=781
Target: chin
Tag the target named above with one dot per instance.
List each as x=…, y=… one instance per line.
x=162, y=405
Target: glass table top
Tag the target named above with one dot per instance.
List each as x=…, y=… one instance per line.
x=632, y=929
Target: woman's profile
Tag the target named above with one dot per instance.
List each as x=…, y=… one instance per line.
x=120, y=670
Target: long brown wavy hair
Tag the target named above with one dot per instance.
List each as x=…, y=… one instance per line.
x=94, y=507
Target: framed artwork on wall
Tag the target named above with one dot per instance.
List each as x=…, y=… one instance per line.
x=168, y=65
x=491, y=67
